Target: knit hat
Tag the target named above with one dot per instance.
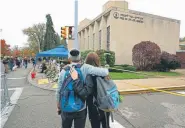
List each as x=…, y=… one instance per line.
x=74, y=55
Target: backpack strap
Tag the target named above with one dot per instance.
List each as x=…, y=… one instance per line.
x=67, y=67
x=112, y=116
x=106, y=119
x=67, y=79
x=78, y=65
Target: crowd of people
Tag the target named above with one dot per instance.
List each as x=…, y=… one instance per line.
x=12, y=63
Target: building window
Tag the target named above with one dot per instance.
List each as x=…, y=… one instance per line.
x=88, y=42
x=93, y=40
x=108, y=38
x=100, y=39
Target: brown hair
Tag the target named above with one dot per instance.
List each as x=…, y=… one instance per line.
x=93, y=59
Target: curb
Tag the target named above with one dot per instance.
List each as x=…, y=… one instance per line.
x=136, y=91
x=123, y=92
x=44, y=88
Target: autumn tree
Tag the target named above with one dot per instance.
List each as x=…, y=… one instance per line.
x=146, y=55
x=5, y=48
x=26, y=51
x=16, y=51
x=167, y=62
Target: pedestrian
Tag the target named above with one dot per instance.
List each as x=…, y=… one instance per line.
x=67, y=101
x=5, y=62
x=97, y=117
x=25, y=62
x=17, y=62
x=11, y=61
x=20, y=60
x=33, y=62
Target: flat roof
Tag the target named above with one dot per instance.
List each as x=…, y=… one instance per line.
x=129, y=11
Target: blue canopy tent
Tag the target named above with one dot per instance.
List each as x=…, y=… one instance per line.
x=59, y=51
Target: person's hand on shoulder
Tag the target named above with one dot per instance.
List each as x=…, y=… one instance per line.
x=74, y=73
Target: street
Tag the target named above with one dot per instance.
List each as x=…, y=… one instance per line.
x=33, y=107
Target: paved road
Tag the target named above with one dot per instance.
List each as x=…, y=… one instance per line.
x=156, y=110
x=36, y=108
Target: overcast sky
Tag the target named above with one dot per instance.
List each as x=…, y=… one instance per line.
x=15, y=15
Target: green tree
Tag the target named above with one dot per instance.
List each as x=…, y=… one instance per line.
x=51, y=38
x=57, y=40
x=64, y=42
x=182, y=39
x=36, y=36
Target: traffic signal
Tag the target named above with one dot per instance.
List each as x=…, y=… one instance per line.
x=70, y=32
x=63, y=32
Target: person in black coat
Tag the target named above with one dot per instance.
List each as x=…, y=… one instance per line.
x=97, y=117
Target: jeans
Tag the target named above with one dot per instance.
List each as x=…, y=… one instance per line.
x=96, y=122
x=78, y=117
x=25, y=65
x=97, y=117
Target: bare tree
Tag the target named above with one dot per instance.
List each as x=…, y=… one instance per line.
x=36, y=36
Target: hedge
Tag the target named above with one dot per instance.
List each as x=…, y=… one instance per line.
x=115, y=70
x=109, y=58
x=130, y=68
x=125, y=67
x=85, y=53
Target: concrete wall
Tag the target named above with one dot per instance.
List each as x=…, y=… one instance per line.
x=130, y=29
x=115, y=3
x=127, y=28
x=84, y=22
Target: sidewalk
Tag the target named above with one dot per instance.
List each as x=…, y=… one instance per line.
x=150, y=85
x=132, y=86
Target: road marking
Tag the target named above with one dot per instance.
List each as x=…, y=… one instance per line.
x=10, y=89
x=183, y=92
x=8, y=109
x=155, y=89
x=115, y=124
x=18, y=78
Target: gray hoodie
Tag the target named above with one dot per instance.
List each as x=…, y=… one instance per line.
x=86, y=69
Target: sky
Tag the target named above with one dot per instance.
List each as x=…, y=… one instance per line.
x=15, y=15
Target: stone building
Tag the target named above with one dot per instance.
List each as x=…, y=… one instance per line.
x=118, y=29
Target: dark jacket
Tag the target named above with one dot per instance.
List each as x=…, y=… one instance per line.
x=89, y=93
x=5, y=61
x=84, y=91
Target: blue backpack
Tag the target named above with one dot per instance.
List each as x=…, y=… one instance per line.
x=69, y=100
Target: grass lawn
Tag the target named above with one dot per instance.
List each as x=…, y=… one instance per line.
x=140, y=74
x=162, y=73
x=125, y=75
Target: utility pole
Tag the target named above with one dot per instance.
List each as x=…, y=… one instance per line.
x=76, y=43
